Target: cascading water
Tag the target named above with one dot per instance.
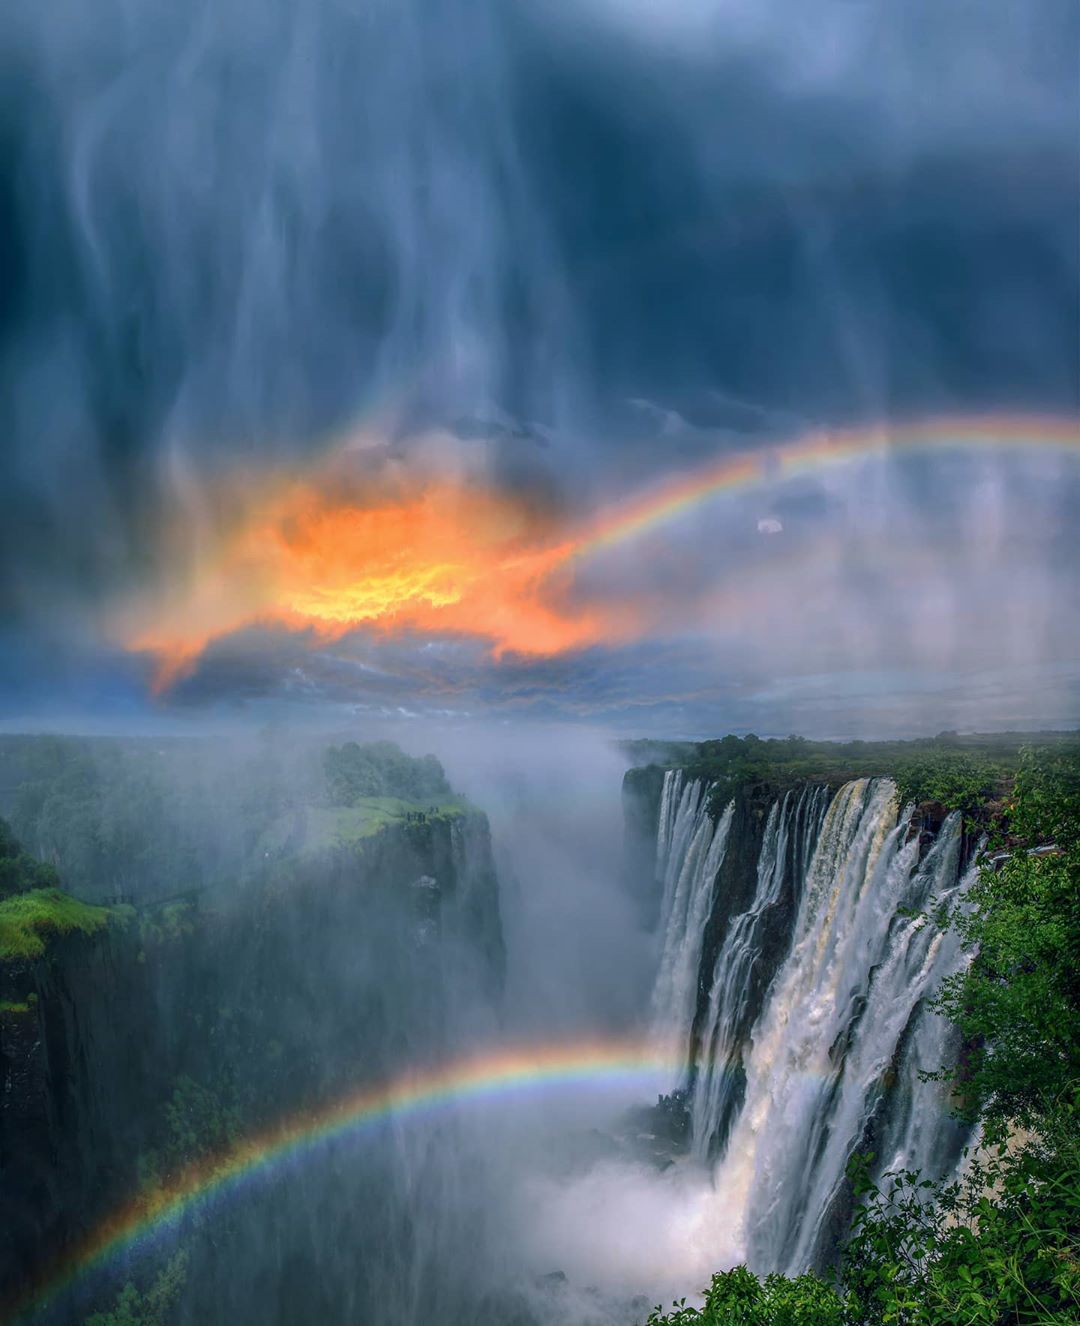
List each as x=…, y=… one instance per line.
x=691, y=851
x=832, y=1059
x=920, y=1133
x=793, y=824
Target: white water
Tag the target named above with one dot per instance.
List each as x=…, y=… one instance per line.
x=693, y=850
x=833, y=1061
x=921, y=1135
x=739, y=953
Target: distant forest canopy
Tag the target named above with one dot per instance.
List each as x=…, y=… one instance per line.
x=381, y=769
x=150, y=817
x=146, y=818
x=961, y=772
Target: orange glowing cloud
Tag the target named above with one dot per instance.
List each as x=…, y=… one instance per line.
x=448, y=558
x=453, y=557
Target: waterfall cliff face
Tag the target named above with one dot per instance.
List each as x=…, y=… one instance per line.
x=792, y=825
x=690, y=850
x=805, y=1023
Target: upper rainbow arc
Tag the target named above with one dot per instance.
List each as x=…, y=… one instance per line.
x=818, y=450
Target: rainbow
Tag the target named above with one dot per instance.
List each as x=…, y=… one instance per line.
x=135, y=1227
x=820, y=450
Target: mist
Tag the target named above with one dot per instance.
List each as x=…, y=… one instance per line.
x=448, y=446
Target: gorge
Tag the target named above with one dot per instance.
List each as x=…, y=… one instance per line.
x=426, y=427
x=778, y=941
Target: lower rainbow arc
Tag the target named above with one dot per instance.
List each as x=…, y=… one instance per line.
x=505, y=1072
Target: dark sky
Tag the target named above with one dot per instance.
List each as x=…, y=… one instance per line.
x=574, y=248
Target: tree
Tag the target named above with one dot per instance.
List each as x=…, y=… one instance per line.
x=150, y=1307
x=1018, y=1004
x=20, y=872
x=739, y=1298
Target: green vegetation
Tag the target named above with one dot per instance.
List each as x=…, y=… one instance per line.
x=168, y=923
x=20, y=872
x=1019, y=1005
x=103, y=813
x=27, y=920
x=151, y=1307
x=356, y=773
x=145, y=819
x=961, y=772
x=344, y=826
x=957, y=779
x=738, y=1298
x=1001, y=1246
x=200, y=1120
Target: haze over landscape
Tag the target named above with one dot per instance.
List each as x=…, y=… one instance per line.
x=445, y=359
x=448, y=446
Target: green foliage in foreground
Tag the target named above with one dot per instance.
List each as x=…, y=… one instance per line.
x=1001, y=1247
x=738, y=1298
x=1019, y=1004
x=27, y=920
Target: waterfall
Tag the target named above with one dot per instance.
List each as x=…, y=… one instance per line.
x=791, y=828
x=920, y=1133
x=669, y=801
x=803, y=1011
x=844, y=1016
x=690, y=851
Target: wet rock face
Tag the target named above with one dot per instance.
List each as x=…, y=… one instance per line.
x=330, y=972
x=737, y=877
x=71, y=1077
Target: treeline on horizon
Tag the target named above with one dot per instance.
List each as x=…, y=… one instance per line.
x=999, y=1246
x=970, y=772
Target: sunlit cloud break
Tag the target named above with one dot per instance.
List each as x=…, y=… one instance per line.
x=458, y=558
x=444, y=559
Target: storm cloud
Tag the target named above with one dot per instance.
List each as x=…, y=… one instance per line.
x=563, y=250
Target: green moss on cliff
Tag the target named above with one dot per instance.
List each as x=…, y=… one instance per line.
x=29, y=919
x=344, y=826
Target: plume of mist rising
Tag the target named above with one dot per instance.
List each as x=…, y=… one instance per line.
x=579, y=960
